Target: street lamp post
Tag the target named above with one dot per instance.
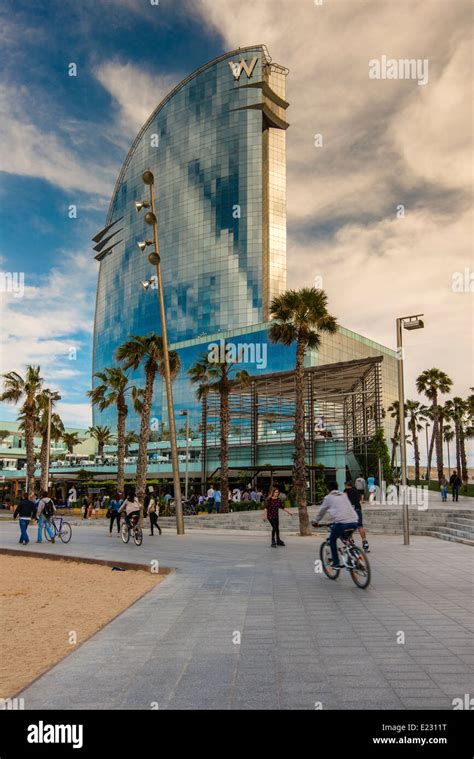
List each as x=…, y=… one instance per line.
x=154, y=258
x=409, y=323
x=186, y=481
x=427, y=426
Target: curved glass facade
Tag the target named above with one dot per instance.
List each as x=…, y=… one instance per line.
x=216, y=145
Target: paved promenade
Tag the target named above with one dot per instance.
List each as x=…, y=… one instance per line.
x=304, y=640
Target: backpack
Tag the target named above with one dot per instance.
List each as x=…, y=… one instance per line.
x=48, y=509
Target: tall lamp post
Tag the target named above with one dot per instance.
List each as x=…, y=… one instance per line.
x=154, y=258
x=186, y=480
x=427, y=426
x=410, y=323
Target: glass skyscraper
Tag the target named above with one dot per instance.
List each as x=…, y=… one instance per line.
x=216, y=145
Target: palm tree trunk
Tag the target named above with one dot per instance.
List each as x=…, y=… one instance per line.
x=142, y=460
x=30, y=453
x=224, y=453
x=457, y=427
x=462, y=447
x=394, y=443
x=121, y=451
x=44, y=462
x=439, y=448
x=416, y=452
x=430, y=452
x=299, y=475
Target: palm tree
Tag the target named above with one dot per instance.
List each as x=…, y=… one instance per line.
x=15, y=389
x=112, y=392
x=414, y=411
x=219, y=376
x=41, y=427
x=4, y=434
x=432, y=382
x=146, y=350
x=300, y=316
x=71, y=439
x=130, y=438
x=103, y=435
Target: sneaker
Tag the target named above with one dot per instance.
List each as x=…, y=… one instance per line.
x=365, y=546
x=280, y=543
x=273, y=545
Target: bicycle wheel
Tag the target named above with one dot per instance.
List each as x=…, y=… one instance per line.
x=125, y=533
x=66, y=532
x=138, y=536
x=361, y=574
x=325, y=556
x=47, y=535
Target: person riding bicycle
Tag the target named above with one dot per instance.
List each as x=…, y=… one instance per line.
x=354, y=497
x=344, y=518
x=131, y=506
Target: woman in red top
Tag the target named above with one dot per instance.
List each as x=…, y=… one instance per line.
x=272, y=512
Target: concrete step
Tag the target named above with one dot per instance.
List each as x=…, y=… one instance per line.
x=456, y=532
x=453, y=539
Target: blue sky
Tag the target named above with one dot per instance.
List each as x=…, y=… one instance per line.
x=385, y=143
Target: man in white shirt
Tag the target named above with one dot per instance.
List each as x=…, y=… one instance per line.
x=359, y=485
x=343, y=515
x=211, y=494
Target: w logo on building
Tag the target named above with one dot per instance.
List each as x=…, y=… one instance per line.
x=237, y=68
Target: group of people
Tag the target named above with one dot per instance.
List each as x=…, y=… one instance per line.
x=129, y=505
x=41, y=510
x=455, y=483
x=345, y=511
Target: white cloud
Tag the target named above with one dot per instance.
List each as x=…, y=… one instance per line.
x=26, y=150
x=75, y=414
x=136, y=92
x=55, y=315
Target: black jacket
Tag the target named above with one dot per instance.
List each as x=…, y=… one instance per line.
x=455, y=480
x=24, y=509
x=354, y=497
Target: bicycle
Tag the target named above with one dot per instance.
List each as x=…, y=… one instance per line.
x=135, y=529
x=353, y=558
x=64, y=531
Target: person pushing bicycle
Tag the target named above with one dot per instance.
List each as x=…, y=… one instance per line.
x=344, y=518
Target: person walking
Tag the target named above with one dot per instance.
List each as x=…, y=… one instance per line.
x=114, y=512
x=45, y=512
x=455, y=482
x=271, y=512
x=371, y=488
x=354, y=497
x=217, y=500
x=210, y=499
x=360, y=487
x=444, y=489
x=25, y=511
x=85, y=506
x=153, y=513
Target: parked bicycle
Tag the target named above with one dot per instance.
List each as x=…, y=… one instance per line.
x=135, y=529
x=353, y=558
x=61, y=529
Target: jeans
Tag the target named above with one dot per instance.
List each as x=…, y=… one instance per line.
x=336, y=531
x=275, y=529
x=129, y=517
x=218, y=507
x=210, y=505
x=444, y=494
x=43, y=522
x=115, y=516
x=24, y=530
x=154, y=522
x=455, y=492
